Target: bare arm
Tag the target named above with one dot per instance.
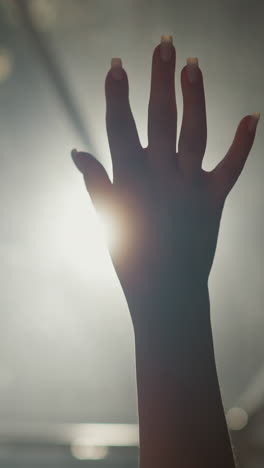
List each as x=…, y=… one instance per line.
x=181, y=418
x=168, y=210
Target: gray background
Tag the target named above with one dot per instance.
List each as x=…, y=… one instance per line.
x=66, y=341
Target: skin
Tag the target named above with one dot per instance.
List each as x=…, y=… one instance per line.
x=168, y=211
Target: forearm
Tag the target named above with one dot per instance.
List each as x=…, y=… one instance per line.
x=181, y=417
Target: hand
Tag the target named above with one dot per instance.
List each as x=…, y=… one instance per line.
x=167, y=207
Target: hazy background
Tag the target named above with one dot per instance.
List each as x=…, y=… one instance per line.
x=66, y=342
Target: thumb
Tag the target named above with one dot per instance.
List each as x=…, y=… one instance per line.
x=96, y=178
x=228, y=170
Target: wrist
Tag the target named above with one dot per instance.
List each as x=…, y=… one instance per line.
x=167, y=312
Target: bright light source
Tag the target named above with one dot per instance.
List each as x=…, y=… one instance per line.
x=236, y=419
x=6, y=64
x=108, y=230
x=106, y=435
x=82, y=451
x=78, y=236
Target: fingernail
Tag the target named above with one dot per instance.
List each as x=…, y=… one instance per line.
x=116, y=68
x=192, y=69
x=166, y=48
x=78, y=161
x=253, y=122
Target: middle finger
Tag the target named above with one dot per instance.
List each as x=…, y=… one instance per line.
x=162, y=111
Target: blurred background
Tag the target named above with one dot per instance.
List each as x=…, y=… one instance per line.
x=67, y=367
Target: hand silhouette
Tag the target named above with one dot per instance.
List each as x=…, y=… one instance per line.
x=167, y=207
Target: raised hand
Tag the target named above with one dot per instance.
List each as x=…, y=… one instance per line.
x=166, y=207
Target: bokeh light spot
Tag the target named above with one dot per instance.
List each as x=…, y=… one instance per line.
x=237, y=418
x=6, y=64
x=82, y=451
